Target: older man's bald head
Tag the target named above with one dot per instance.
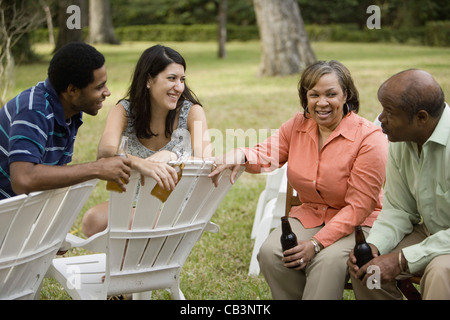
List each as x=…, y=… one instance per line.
x=413, y=90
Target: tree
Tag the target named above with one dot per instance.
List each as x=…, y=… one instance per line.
x=285, y=44
x=67, y=34
x=100, y=23
x=48, y=17
x=17, y=19
x=222, y=34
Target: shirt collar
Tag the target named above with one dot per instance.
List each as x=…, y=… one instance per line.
x=58, y=108
x=442, y=131
x=346, y=127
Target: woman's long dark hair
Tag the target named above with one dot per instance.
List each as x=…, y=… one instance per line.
x=153, y=61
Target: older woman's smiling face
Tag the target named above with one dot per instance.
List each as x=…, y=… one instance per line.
x=326, y=100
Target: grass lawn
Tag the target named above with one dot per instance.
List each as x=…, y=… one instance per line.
x=234, y=97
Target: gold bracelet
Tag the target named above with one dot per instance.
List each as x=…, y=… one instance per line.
x=316, y=245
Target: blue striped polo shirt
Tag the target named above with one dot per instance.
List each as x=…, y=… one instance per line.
x=33, y=129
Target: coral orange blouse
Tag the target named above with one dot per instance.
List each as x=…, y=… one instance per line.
x=340, y=186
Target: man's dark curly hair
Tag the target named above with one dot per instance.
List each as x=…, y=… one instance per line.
x=74, y=64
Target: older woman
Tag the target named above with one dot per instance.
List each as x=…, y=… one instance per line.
x=336, y=163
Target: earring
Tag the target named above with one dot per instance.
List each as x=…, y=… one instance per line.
x=348, y=108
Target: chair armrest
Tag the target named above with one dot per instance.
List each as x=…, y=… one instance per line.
x=212, y=227
x=96, y=243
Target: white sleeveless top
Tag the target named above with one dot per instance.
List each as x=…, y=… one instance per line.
x=179, y=142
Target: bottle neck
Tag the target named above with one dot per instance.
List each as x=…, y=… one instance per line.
x=285, y=225
x=123, y=147
x=359, y=235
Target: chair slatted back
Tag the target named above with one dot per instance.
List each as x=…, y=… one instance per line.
x=157, y=237
x=32, y=228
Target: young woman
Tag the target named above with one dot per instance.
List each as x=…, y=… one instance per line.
x=158, y=117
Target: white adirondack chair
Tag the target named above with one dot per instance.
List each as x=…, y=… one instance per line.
x=272, y=211
x=270, y=193
x=148, y=254
x=32, y=230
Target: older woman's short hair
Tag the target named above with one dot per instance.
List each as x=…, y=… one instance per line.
x=314, y=72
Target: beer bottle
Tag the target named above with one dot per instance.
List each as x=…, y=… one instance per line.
x=362, y=250
x=288, y=238
x=121, y=152
x=161, y=193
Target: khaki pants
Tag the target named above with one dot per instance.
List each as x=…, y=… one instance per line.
x=324, y=276
x=435, y=283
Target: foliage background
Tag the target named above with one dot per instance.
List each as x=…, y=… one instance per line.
x=396, y=13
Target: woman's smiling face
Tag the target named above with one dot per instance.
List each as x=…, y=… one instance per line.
x=326, y=100
x=167, y=87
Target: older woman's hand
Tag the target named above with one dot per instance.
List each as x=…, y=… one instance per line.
x=231, y=160
x=298, y=257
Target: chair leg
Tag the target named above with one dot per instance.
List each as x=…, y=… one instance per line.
x=142, y=295
x=176, y=292
x=408, y=289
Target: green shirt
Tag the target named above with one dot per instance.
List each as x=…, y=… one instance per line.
x=417, y=188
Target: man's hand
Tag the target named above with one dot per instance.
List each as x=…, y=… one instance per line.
x=117, y=169
x=387, y=264
x=353, y=268
x=389, y=267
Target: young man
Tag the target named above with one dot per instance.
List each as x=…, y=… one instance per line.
x=411, y=236
x=39, y=126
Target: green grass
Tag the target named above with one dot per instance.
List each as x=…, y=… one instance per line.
x=234, y=97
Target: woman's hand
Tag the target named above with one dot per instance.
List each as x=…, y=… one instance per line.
x=231, y=160
x=298, y=257
x=165, y=175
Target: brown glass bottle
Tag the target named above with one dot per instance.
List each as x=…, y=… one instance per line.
x=362, y=250
x=161, y=193
x=288, y=238
x=121, y=152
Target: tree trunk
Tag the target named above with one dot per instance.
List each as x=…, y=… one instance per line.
x=100, y=23
x=285, y=44
x=48, y=16
x=65, y=34
x=222, y=33
x=17, y=20
x=7, y=75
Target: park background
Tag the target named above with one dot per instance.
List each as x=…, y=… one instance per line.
x=234, y=94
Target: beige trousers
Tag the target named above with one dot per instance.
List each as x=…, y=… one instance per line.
x=435, y=282
x=324, y=276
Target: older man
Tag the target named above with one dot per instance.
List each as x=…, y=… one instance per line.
x=412, y=233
